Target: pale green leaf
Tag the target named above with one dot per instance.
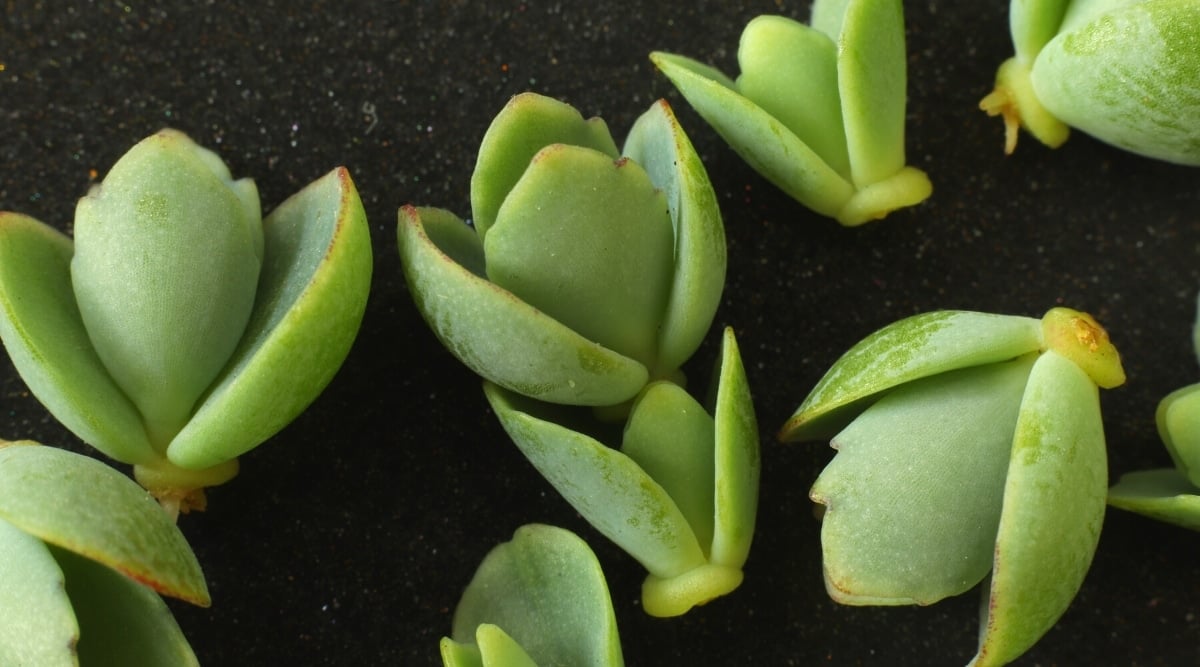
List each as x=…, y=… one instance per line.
x=85, y=506
x=670, y=436
x=311, y=297
x=500, y=650
x=765, y=143
x=121, y=622
x=658, y=144
x=546, y=592
x=589, y=242
x=501, y=337
x=1129, y=77
x=737, y=460
x=1163, y=494
x=828, y=15
x=1053, y=509
x=605, y=486
x=913, y=496
x=457, y=654
x=1178, y=419
x=873, y=82
x=45, y=337
x=915, y=347
x=526, y=125
x=37, y=625
x=167, y=256
x=790, y=70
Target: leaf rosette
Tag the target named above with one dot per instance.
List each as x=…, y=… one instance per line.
x=539, y=599
x=817, y=110
x=85, y=555
x=1126, y=72
x=681, y=493
x=969, y=445
x=587, y=272
x=179, y=329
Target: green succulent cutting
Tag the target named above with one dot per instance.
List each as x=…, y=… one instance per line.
x=970, y=447
x=817, y=110
x=587, y=273
x=179, y=329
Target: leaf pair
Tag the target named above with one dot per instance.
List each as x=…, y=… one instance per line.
x=968, y=445
x=681, y=494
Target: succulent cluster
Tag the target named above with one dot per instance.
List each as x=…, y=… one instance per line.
x=180, y=328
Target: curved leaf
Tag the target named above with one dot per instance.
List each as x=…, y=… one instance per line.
x=737, y=460
x=37, y=625
x=121, y=622
x=1163, y=494
x=311, y=297
x=544, y=591
x=915, y=347
x=761, y=140
x=1033, y=23
x=588, y=241
x=84, y=506
x=526, y=125
x=45, y=337
x=604, y=485
x=1053, y=509
x=659, y=145
x=500, y=337
x=914, y=494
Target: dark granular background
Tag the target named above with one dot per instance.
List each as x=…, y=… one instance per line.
x=347, y=539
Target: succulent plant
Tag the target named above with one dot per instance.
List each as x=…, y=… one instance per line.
x=1124, y=71
x=540, y=599
x=1170, y=494
x=179, y=330
x=681, y=493
x=970, y=446
x=85, y=554
x=818, y=111
x=587, y=273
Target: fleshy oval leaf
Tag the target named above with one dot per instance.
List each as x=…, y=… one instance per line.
x=913, y=495
x=121, y=622
x=605, y=486
x=1163, y=494
x=657, y=143
x=45, y=337
x=1128, y=76
x=589, y=242
x=526, y=125
x=37, y=624
x=545, y=592
x=167, y=255
x=311, y=298
x=84, y=506
x=1054, y=500
x=759, y=138
x=499, y=336
x=915, y=347
x=790, y=71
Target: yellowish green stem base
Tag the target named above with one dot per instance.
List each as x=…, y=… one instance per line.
x=1014, y=100
x=179, y=489
x=907, y=187
x=674, y=596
